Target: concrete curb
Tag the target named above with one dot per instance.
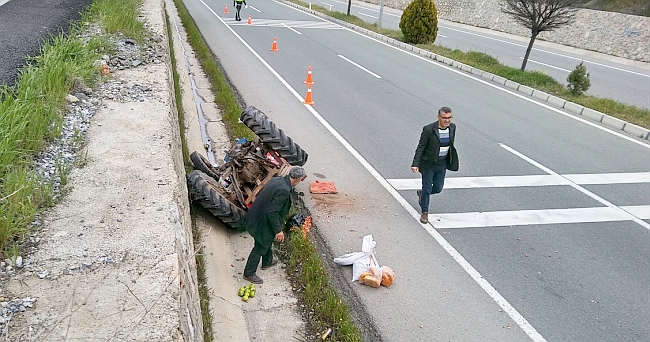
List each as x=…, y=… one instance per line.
x=571, y=107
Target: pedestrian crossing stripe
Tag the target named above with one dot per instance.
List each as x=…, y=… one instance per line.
x=534, y=217
x=296, y=24
x=527, y=180
x=537, y=217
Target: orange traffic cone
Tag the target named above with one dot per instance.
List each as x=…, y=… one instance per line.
x=226, y=10
x=309, y=81
x=308, y=99
x=274, y=47
x=249, y=19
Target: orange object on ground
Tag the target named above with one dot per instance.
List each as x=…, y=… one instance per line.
x=226, y=10
x=318, y=187
x=309, y=80
x=274, y=47
x=249, y=19
x=308, y=99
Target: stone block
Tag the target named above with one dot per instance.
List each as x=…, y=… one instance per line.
x=477, y=72
x=487, y=75
x=498, y=79
x=512, y=85
x=538, y=94
x=613, y=122
x=525, y=90
x=556, y=101
x=466, y=67
x=574, y=108
x=592, y=114
x=636, y=130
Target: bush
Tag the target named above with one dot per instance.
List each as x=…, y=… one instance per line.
x=578, y=80
x=419, y=22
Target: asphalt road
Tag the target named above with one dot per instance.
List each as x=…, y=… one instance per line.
x=542, y=234
x=24, y=24
x=610, y=77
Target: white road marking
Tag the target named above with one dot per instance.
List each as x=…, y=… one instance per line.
x=536, y=217
x=526, y=180
x=360, y=67
x=285, y=25
x=258, y=11
x=640, y=211
x=473, y=273
x=546, y=51
x=302, y=24
x=511, y=43
x=2, y=2
x=576, y=186
x=367, y=15
x=442, y=35
x=548, y=65
x=490, y=84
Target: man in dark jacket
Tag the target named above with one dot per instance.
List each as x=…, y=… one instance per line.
x=432, y=158
x=265, y=220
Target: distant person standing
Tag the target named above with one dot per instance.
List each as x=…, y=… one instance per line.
x=265, y=220
x=435, y=155
x=237, y=4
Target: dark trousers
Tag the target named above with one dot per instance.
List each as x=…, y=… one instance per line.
x=432, y=183
x=253, y=261
x=238, y=8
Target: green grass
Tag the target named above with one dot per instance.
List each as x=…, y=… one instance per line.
x=309, y=275
x=31, y=112
x=533, y=79
x=225, y=98
x=328, y=308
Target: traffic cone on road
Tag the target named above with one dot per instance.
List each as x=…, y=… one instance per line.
x=308, y=99
x=274, y=47
x=225, y=11
x=309, y=81
x=249, y=19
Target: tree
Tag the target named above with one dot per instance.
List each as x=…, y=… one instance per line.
x=419, y=22
x=579, y=80
x=539, y=16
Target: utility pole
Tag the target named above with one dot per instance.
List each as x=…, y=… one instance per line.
x=381, y=12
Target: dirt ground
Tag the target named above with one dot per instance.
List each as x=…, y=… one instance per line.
x=115, y=259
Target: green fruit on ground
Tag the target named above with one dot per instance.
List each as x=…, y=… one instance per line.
x=240, y=294
x=245, y=298
x=252, y=294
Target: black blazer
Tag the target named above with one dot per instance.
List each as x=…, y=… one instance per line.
x=426, y=154
x=265, y=217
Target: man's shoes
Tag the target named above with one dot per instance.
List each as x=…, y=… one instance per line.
x=273, y=263
x=254, y=279
x=424, y=218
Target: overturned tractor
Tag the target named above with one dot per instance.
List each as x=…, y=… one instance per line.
x=229, y=190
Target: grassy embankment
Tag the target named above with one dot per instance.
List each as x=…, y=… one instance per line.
x=325, y=307
x=485, y=62
x=31, y=114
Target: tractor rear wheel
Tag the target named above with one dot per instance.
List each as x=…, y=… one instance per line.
x=205, y=190
x=268, y=133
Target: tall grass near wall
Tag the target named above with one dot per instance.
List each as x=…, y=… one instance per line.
x=31, y=112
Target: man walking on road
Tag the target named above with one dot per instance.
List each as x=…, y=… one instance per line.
x=237, y=4
x=265, y=220
x=433, y=156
